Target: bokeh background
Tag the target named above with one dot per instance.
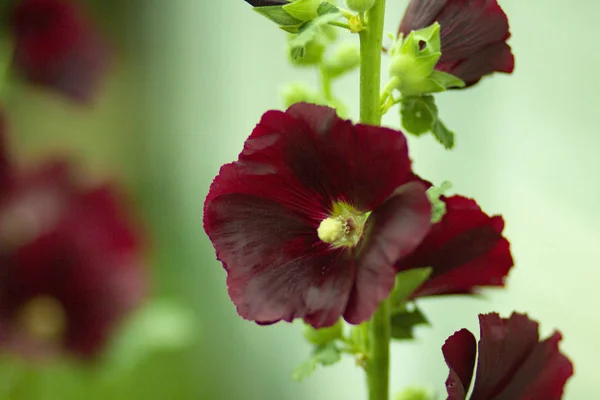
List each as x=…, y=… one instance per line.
x=189, y=81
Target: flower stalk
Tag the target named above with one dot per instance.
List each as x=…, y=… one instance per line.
x=371, y=39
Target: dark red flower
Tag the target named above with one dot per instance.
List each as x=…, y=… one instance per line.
x=513, y=364
x=290, y=219
x=57, y=45
x=70, y=265
x=473, y=35
x=466, y=250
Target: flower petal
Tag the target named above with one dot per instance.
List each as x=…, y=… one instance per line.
x=277, y=267
x=466, y=250
x=265, y=3
x=543, y=375
x=393, y=230
x=496, y=57
x=460, y=351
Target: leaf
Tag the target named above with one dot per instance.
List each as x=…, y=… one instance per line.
x=305, y=370
x=323, y=336
x=327, y=8
x=418, y=114
x=406, y=283
x=438, y=206
x=303, y=10
x=443, y=134
x=326, y=355
x=160, y=326
x=278, y=15
x=403, y=323
x=308, y=31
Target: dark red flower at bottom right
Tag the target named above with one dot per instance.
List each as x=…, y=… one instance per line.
x=513, y=363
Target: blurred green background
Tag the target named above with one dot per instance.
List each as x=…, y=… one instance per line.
x=190, y=80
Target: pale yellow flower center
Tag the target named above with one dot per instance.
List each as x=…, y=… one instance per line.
x=43, y=318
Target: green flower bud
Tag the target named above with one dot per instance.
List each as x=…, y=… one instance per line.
x=345, y=59
x=360, y=5
x=313, y=54
x=414, y=393
x=299, y=92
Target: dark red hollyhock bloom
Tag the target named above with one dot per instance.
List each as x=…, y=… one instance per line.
x=290, y=219
x=473, y=35
x=466, y=250
x=70, y=265
x=513, y=363
x=57, y=45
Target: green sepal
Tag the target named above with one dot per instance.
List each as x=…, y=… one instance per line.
x=420, y=114
x=278, y=15
x=446, y=80
x=303, y=10
x=413, y=61
x=403, y=323
x=406, y=283
x=438, y=207
x=326, y=355
x=323, y=336
x=327, y=8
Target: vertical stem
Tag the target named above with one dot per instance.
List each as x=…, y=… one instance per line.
x=378, y=360
x=371, y=40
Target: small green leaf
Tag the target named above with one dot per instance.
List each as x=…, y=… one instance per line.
x=443, y=134
x=305, y=370
x=323, y=336
x=327, y=355
x=303, y=10
x=403, y=323
x=307, y=32
x=327, y=8
x=278, y=15
x=438, y=207
x=418, y=113
x=406, y=283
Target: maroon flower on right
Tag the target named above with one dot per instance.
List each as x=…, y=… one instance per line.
x=513, y=364
x=473, y=35
x=58, y=46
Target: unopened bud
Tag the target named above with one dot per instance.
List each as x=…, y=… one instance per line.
x=360, y=5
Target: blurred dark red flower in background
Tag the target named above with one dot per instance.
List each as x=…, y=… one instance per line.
x=70, y=264
x=466, y=250
x=311, y=219
x=512, y=364
x=473, y=35
x=58, y=46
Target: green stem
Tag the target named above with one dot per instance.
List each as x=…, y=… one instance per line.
x=371, y=40
x=326, y=85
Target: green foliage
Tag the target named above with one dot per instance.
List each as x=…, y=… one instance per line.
x=159, y=326
x=278, y=15
x=325, y=355
x=403, y=323
x=420, y=114
x=323, y=336
x=438, y=207
x=406, y=283
x=360, y=5
x=303, y=10
x=308, y=31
